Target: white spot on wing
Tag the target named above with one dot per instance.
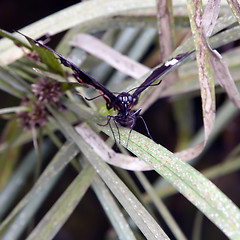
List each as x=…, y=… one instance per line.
x=171, y=62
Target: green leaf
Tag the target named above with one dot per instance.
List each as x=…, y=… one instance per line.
x=47, y=56
x=9, y=157
x=10, y=36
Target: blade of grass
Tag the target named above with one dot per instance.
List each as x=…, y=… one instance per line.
x=161, y=207
x=125, y=38
x=112, y=210
x=235, y=7
x=224, y=116
x=9, y=157
x=14, y=79
x=5, y=85
x=189, y=182
x=61, y=159
x=19, y=180
x=109, y=55
x=135, y=52
x=19, y=224
x=212, y=173
x=137, y=212
x=108, y=154
x=12, y=109
x=197, y=228
x=65, y=205
x=206, y=77
x=26, y=136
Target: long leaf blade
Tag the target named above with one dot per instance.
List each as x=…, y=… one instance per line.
x=62, y=209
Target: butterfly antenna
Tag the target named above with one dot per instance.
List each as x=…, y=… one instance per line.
x=151, y=85
x=90, y=99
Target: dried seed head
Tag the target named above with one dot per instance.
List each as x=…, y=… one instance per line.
x=47, y=90
x=34, y=118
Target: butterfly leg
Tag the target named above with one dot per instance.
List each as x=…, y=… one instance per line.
x=132, y=126
x=145, y=126
x=108, y=120
x=119, y=136
x=135, y=116
x=109, y=117
x=108, y=123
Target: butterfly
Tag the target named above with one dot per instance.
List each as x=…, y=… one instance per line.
x=124, y=102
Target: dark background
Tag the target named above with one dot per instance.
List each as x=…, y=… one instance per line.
x=16, y=14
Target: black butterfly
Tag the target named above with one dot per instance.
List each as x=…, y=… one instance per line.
x=124, y=101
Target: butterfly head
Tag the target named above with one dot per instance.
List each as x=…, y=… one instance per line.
x=125, y=102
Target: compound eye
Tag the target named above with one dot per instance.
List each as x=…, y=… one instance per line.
x=130, y=98
x=120, y=98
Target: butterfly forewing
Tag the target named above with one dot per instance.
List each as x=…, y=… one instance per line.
x=81, y=76
x=160, y=71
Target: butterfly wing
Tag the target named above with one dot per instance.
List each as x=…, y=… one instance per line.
x=81, y=76
x=157, y=73
x=85, y=79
